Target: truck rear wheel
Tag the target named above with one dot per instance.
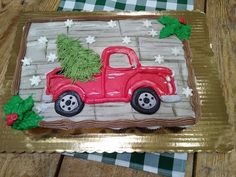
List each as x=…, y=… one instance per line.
x=69, y=104
x=145, y=101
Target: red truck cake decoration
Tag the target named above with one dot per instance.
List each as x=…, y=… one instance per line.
x=145, y=87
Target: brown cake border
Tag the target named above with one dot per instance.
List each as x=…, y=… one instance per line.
x=67, y=124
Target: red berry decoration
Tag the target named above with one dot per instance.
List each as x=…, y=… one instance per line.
x=11, y=118
x=182, y=21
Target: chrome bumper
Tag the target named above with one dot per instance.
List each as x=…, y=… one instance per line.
x=170, y=98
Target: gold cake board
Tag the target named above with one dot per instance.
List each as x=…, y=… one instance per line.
x=213, y=132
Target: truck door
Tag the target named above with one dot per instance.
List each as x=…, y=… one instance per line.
x=119, y=70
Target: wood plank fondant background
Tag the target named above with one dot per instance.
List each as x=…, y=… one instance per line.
x=145, y=46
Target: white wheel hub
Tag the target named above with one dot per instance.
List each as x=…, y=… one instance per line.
x=68, y=103
x=146, y=100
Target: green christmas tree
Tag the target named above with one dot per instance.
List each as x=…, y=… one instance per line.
x=175, y=26
x=19, y=114
x=77, y=62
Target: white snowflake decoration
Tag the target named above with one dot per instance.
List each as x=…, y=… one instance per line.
x=35, y=80
x=152, y=33
x=43, y=40
x=187, y=92
x=41, y=108
x=68, y=23
x=90, y=39
x=111, y=24
x=51, y=57
x=26, y=61
x=159, y=59
x=175, y=51
x=126, y=40
x=147, y=23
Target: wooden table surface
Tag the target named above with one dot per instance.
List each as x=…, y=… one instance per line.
x=221, y=19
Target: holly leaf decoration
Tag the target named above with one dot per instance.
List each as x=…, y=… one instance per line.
x=174, y=26
x=31, y=120
x=166, y=32
x=167, y=20
x=26, y=105
x=19, y=114
x=17, y=105
x=11, y=105
x=184, y=32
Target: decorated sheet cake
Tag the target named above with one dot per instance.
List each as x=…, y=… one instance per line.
x=112, y=82
x=109, y=73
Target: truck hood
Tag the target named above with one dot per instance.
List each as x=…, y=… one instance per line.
x=156, y=69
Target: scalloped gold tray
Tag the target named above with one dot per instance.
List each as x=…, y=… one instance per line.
x=213, y=132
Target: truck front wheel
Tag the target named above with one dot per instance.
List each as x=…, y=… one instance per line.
x=69, y=104
x=145, y=101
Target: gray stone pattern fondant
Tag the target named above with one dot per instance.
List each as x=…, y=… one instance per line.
x=145, y=46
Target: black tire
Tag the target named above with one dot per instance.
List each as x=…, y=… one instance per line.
x=69, y=104
x=145, y=101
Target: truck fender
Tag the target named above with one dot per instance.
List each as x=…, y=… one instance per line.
x=70, y=87
x=144, y=84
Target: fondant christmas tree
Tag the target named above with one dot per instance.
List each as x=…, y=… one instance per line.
x=174, y=26
x=19, y=114
x=77, y=62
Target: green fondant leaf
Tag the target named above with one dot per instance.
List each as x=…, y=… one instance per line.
x=31, y=120
x=26, y=105
x=167, y=31
x=12, y=105
x=27, y=118
x=166, y=20
x=184, y=32
x=173, y=26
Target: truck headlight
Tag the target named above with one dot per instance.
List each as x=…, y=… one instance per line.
x=168, y=79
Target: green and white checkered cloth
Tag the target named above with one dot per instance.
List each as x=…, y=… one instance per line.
x=166, y=164
x=125, y=5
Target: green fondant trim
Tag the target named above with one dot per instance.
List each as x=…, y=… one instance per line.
x=174, y=27
x=77, y=62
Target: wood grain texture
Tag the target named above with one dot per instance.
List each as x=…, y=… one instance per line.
x=216, y=165
x=199, y=5
x=41, y=5
x=51, y=5
x=8, y=16
x=222, y=25
x=189, y=165
x=27, y=165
